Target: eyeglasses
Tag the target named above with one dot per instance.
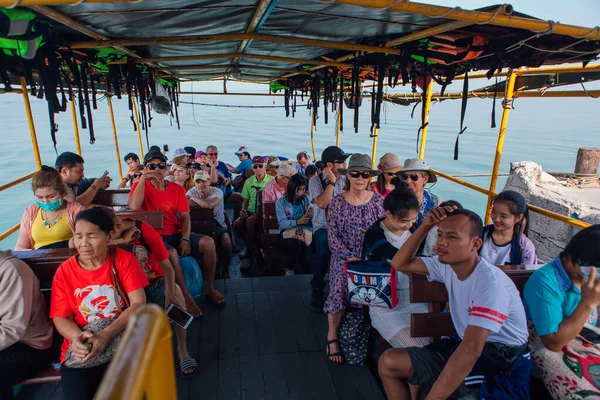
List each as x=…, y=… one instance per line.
x=152, y=167
x=390, y=173
x=356, y=174
x=256, y=166
x=413, y=177
x=213, y=154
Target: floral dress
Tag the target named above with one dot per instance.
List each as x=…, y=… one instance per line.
x=346, y=227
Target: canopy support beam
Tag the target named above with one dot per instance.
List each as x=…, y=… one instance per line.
x=374, y=149
x=116, y=139
x=75, y=127
x=137, y=126
x=427, y=106
x=312, y=133
x=34, y=141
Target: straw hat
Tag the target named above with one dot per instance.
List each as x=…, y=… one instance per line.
x=389, y=163
x=416, y=164
x=359, y=162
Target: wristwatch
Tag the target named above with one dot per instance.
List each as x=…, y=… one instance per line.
x=330, y=183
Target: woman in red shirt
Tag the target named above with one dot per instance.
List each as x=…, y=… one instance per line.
x=389, y=165
x=84, y=294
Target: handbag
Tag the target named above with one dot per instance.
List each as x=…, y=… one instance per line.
x=354, y=335
x=299, y=233
x=99, y=325
x=371, y=283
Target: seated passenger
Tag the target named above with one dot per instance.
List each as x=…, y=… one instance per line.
x=389, y=165
x=133, y=162
x=223, y=173
x=245, y=225
x=132, y=178
x=191, y=151
x=311, y=171
x=294, y=213
x=152, y=192
x=25, y=330
x=561, y=300
x=272, y=165
x=302, y=161
x=153, y=257
x=79, y=189
x=489, y=359
x=243, y=154
x=50, y=222
x=89, y=307
x=181, y=157
x=505, y=241
x=182, y=175
x=277, y=187
x=416, y=174
x=202, y=163
x=401, y=208
x=206, y=196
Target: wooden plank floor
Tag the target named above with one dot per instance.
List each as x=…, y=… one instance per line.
x=265, y=343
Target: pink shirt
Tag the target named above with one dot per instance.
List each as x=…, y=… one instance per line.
x=272, y=191
x=384, y=194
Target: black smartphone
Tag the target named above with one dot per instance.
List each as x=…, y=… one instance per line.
x=165, y=147
x=179, y=316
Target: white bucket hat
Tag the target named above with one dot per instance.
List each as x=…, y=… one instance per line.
x=416, y=164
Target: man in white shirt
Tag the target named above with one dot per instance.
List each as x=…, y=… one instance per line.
x=490, y=357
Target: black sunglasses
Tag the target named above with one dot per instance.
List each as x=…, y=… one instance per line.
x=339, y=161
x=390, y=173
x=356, y=174
x=255, y=166
x=213, y=154
x=152, y=167
x=414, y=177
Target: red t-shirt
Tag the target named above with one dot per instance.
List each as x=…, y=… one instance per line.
x=89, y=295
x=171, y=201
x=150, y=251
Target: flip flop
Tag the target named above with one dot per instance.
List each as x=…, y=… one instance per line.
x=187, y=364
x=338, y=354
x=216, y=298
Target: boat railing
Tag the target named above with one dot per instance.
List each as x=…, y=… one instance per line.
x=143, y=365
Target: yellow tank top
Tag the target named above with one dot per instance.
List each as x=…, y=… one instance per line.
x=42, y=236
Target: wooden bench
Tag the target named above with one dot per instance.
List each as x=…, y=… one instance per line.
x=437, y=323
x=269, y=237
x=112, y=198
x=44, y=264
x=203, y=221
x=152, y=218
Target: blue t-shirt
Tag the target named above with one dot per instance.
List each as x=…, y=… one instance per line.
x=243, y=166
x=550, y=297
x=222, y=168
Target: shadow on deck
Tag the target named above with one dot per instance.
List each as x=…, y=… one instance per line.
x=265, y=343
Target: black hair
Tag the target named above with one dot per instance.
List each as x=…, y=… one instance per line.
x=400, y=200
x=294, y=183
x=320, y=166
x=380, y=183
x=154, y=149
x=132, y=156
x=311, y=169
x=451, y=203
x=517, y=206
x=584, y=247
x=98, y=217
x=67, y=160
x=474, y=220
x=190, y=150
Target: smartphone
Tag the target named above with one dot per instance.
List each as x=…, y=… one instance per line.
x=165, y=147
x=179, y=316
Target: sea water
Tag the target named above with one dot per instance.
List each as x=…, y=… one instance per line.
x=547, y=131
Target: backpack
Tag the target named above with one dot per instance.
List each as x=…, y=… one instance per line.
x=516, y=250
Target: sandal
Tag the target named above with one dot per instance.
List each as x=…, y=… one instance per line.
x=331, y=355
x=216, y=298
x=187, y=364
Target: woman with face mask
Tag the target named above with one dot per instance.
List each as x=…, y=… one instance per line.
x=49, y=222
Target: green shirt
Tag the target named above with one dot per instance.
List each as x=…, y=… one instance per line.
x=251, y=188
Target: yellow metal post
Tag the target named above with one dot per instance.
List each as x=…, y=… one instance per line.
x=34, y=142
x=374, y=150
x=114, y=128
x=137, y=125
x=75, y=127
x=506, y=104
x=427, y=106
x=312, y=134
x=339, y=123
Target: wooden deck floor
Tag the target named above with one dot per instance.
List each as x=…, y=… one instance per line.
x=265, y=343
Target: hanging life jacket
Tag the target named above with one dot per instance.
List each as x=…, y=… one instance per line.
x=451, y=48
x=21, y=35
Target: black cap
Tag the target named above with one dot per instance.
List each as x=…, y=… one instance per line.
x=190, y=150
x=153, y=149
x=154, y=154
x=333, y=153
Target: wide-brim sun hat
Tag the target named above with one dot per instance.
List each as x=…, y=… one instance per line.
x=416, y=164
x=359, y=162
x=389, y=163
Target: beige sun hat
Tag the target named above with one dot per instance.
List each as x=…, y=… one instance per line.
x=389, y=163
x=416, y=164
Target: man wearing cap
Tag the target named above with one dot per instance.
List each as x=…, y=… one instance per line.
x=206, y=196
x=79, y=189
x=302, y=161
x=152, y=192
x=243, y=154
x=416, y=174
x=278, y=186
x=322, y=188
x=245, y=225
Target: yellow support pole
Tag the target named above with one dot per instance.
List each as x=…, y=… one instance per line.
x=75, y=127
x=506, y=104
x=374, y=150
x=312, y=134
x=114, y=128
x=137, y=126
x=34, y=142
x=427, y=106
x=339, y=123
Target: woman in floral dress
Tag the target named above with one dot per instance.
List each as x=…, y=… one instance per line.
x=348, y=217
